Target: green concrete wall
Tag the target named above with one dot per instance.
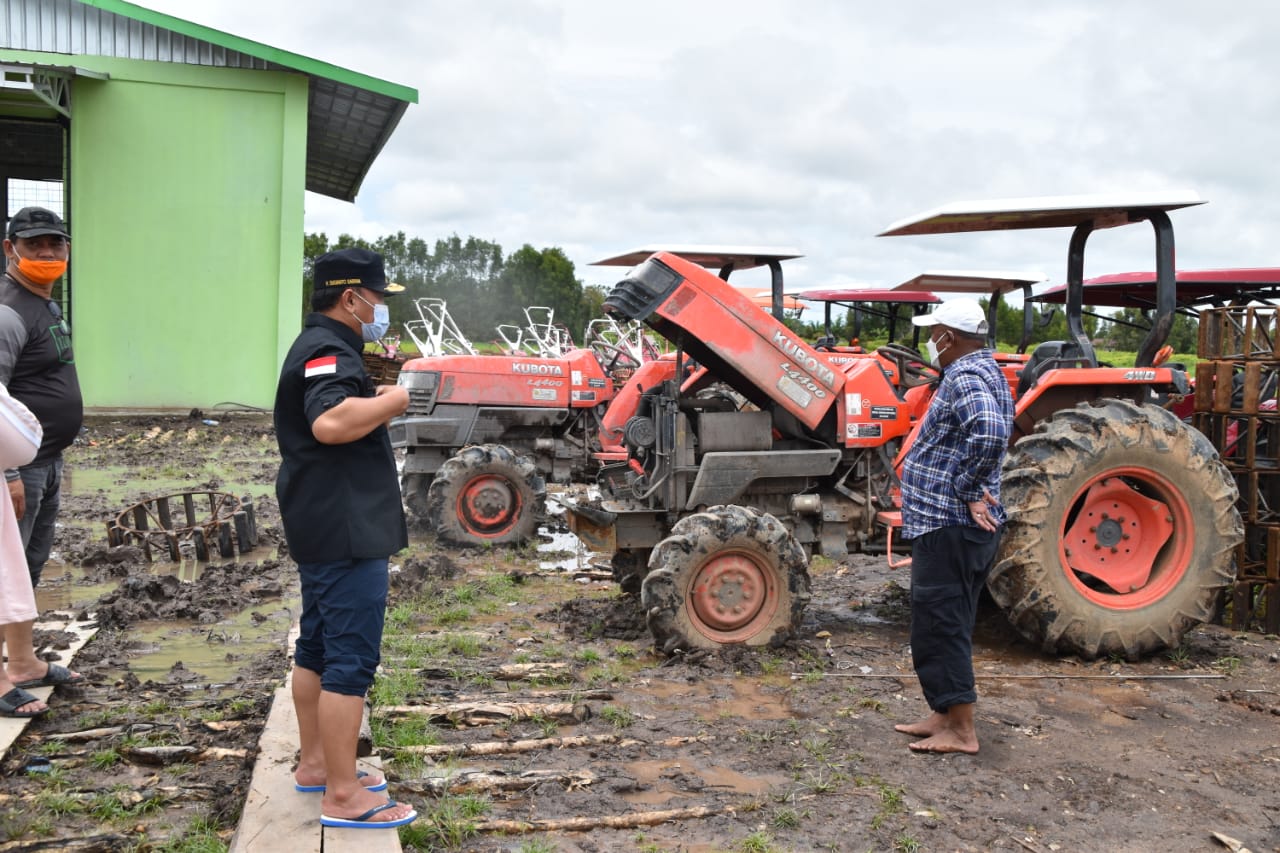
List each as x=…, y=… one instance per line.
x=186, y=219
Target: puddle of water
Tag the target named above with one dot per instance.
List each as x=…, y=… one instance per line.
x=62, y=587
x=662, y=780
x=218, y=651
x=571, y=554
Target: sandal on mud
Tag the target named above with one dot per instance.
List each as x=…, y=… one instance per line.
x=15, y=699
x=55, y=675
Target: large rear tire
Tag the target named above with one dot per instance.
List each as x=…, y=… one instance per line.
x=485, y=494
x=727, y=576
x=1121, y=533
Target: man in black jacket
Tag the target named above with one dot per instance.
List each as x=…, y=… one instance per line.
x=340, y=501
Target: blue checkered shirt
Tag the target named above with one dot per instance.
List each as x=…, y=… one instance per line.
x=960, y=447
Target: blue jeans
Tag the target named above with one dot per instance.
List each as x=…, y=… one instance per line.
x=43, y=486
x=344, y=606
x=949, y=567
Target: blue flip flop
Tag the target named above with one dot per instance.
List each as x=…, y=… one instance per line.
x=319, y=789
x=363, y=822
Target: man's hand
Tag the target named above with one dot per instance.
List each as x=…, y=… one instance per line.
x=18, y=494
x=980, y=511
x=397, y=392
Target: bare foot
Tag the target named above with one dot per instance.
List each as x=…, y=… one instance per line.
x=933, y=724
x=946, y=741
x=362, y=803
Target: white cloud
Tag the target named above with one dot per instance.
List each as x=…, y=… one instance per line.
x=599, y=127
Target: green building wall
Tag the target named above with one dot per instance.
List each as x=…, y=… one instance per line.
x=186, y=214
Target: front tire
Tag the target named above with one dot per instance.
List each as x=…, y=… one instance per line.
x=414, y=488
x=486, y=494
x=1121, y=533
x=727, y=576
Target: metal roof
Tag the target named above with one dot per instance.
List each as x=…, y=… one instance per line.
x=350, y=115
x=866, y=294
x=1195, y=288
x=947, y=281
x=740, y=257
x=1104, y=211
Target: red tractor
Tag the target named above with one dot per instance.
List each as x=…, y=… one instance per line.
x=484, y=433
x=1122, y=519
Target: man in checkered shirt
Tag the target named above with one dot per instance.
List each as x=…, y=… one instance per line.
x=951, y=512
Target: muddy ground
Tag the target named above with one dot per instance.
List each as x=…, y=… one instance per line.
x=786, y=749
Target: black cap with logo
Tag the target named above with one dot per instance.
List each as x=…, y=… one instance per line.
x=35, y=222
x=353, y=268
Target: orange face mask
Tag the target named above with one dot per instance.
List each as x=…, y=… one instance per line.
x=41, y=272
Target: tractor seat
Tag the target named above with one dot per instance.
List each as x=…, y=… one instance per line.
x=1047, y=356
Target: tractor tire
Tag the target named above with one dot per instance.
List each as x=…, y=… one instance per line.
x=413, y=488
x=629, y=568
x=728, y=576
x=486, y=495
x=1121, y=532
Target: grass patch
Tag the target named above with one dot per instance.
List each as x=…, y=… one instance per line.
x=619, y=718
x=200, y=836
x=394, y=687
x=449, y=822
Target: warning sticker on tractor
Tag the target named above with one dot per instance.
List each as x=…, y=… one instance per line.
x=595, y=383
x=584, y=396
x=862, y=431
x=884, y=413
x=576, y=377
x=544, y=394
x=853, y=404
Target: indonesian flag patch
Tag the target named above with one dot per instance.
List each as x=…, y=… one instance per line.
x=321, y=366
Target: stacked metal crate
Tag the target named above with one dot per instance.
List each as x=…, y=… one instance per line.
x=1235, y=406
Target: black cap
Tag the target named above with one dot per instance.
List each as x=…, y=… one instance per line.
x=353, y=268
x=35, y=222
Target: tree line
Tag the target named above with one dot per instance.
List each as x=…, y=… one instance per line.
x=1123, y=331
x=482, y=286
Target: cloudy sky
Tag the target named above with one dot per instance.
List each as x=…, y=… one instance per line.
x=601, y=126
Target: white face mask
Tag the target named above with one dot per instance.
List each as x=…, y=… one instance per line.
x=934, y=353
x=377, y=330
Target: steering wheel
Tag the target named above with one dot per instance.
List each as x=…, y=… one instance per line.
x=610, y=356
x=913, y=370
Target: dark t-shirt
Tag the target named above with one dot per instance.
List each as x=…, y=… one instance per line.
x=38, y=366
x=338, y=501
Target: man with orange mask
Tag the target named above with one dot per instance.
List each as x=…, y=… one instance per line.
x=37, y=365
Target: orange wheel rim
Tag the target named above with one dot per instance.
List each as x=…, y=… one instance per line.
x=732, y=597
x=488, y=505
x=1128, y=538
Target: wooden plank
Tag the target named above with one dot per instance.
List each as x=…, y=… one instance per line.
x=338, y=840
x=12, y=727
x=276, y=818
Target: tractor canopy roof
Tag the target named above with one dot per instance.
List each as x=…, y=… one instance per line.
x=716, y=257
x=1103, y=210
x=865, y=294
x=947, y=281
x=1195, y=288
